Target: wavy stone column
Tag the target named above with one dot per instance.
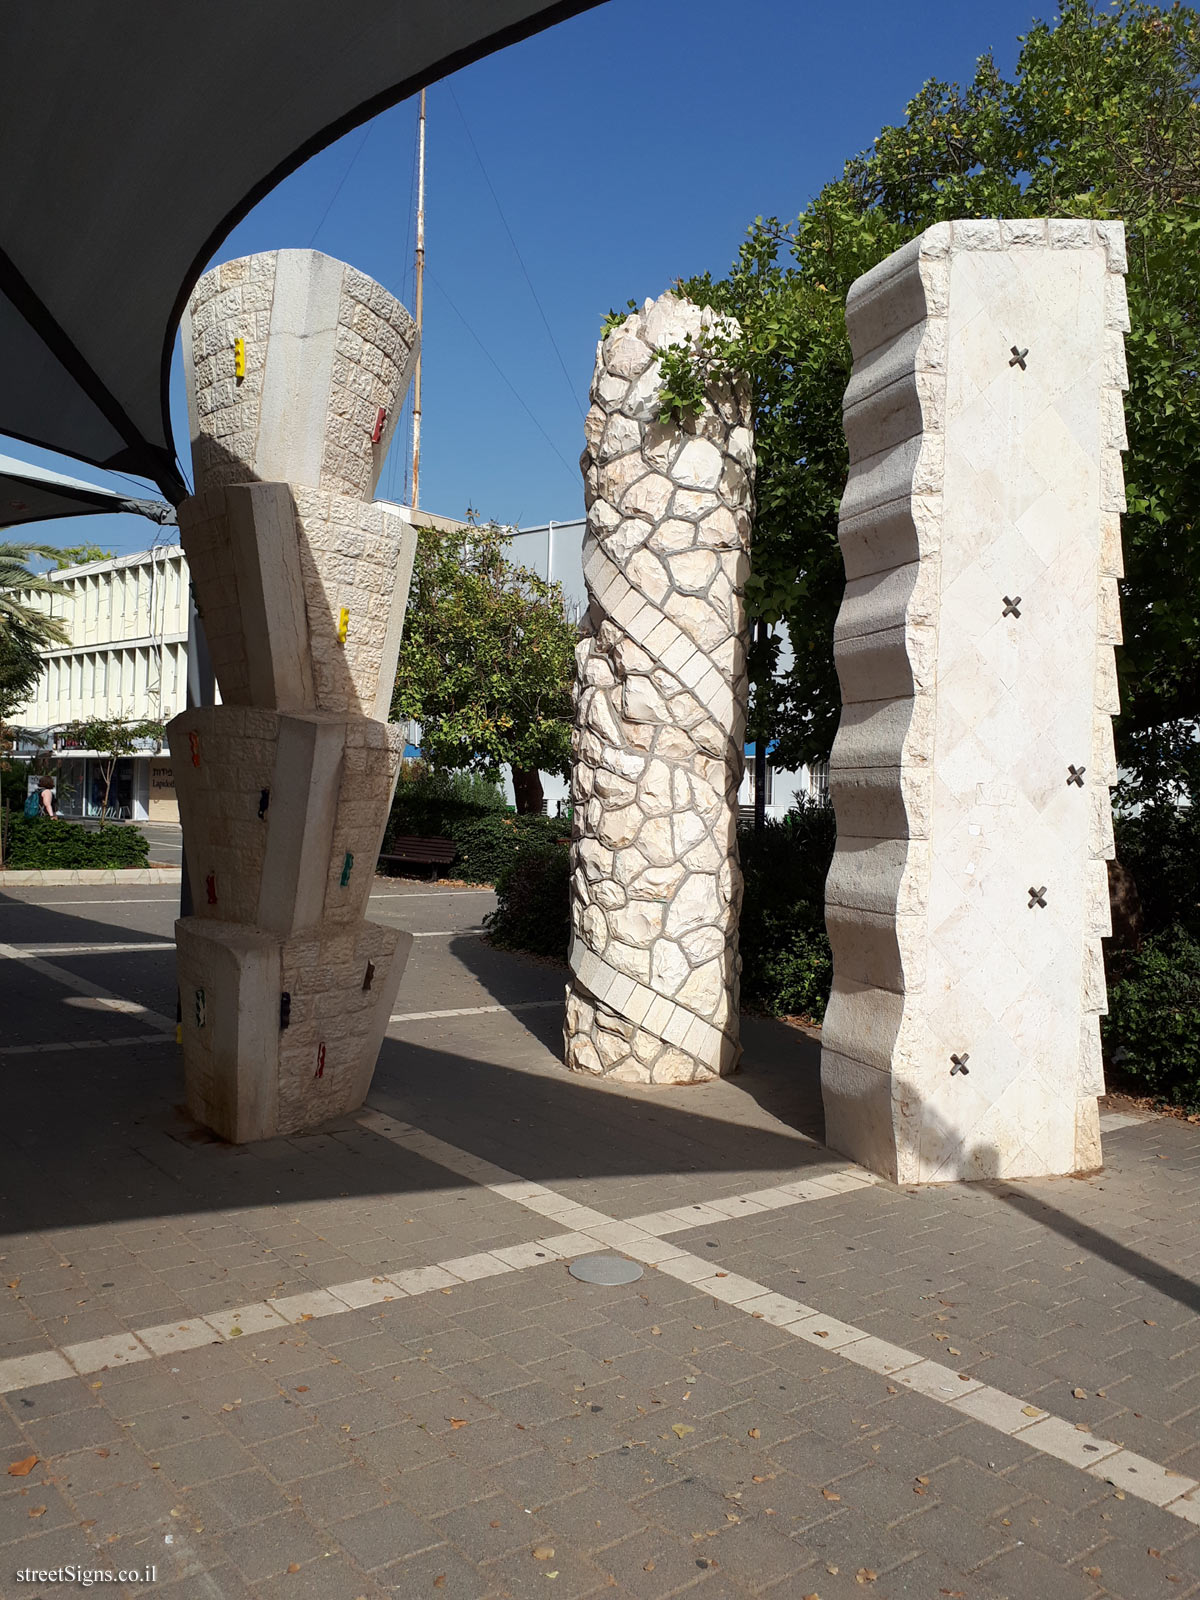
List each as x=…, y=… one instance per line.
x=660, y=714
x=297, y=367
x=981, y=534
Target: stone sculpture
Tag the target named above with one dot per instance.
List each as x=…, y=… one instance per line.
x=297, y=368
x=981, y=535
x=660, y=714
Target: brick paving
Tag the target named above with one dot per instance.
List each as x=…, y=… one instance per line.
x=523, y=1433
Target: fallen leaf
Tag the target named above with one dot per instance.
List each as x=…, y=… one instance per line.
x=758, y=1478
x=681, y=1428
x=940, y=1337
x=1079, y=1394
x=821, y=1333
x=447, y=1291
x=440, y=1581
x=813, y=1596
x=89, y=1523
x=922, y=1480
x=13, y=1282
x=1157, y=1554
x=301, y=1388
x=553, y=1574
x=37, y=1511
x=891, y=1389
x=1082, y=1427
x=1150, y=1323
x=832, y=1571
x=917, y=1489
x=22, y=1468
x=103, y=1451
x=828, y=1494
x=753, y=1433
x=955, y=1594
x=655, y=1330
x=865, y=1575
x=721, y=1274
x=647, y=1566
x=1030, y=1411
x=543, y=1552
x=1091, y=1572
x=458, y=1422
x=235, y=1333
x=293, y=1566
x=495, y=1524
x=954, y=1352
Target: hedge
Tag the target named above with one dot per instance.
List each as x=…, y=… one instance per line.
x=1153, y=1024
x=53, y=844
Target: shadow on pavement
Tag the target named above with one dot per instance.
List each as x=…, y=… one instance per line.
x=97, y=1135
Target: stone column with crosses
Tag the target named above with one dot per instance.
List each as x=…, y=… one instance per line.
x=981, y=534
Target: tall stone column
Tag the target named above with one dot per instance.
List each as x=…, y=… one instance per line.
x=981, y=534
x=660, y=716
x=297, y=367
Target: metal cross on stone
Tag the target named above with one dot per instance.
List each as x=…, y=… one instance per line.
x=1018, y=358
x=1012, y=608
x=1075, y=775
x=960, y=1064
x=1037, y=897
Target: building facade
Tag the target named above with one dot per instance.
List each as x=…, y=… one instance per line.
x=127, y=661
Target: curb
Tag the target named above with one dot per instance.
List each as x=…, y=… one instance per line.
x=15, y=877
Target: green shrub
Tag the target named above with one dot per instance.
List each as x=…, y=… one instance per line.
x=427, y=800
x=786, y=963
x=532, y=900
x=51, y=843
x=1152, y=1030
x=487, y=845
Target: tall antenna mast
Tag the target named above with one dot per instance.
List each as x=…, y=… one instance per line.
x=416, y=464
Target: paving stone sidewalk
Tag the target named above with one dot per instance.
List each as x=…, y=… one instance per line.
x=522, y=1433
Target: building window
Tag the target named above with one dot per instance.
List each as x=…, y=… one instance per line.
x=818, y=780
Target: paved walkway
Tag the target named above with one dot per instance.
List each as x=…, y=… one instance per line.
x=354, y=1364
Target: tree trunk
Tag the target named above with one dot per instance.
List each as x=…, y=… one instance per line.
x=527, y=790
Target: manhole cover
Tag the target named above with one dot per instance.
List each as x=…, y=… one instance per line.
x=605, y=1269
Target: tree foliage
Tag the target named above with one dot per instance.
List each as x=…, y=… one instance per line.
x=1100, y=120
x=111, y=738
x=78, y=555
x=487, y=658
x=24, y=630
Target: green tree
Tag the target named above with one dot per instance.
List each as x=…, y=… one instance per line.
x=1100, y=120
x=78, y=555
x=111, y=739
x=487, y=660
x=24, y=630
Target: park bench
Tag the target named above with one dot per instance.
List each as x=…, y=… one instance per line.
x=410, y=850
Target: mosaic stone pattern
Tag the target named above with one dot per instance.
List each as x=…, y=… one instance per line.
x=660, y=716
x=981, y=535
x=297, y=368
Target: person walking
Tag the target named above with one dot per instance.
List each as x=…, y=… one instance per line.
x=47, y=800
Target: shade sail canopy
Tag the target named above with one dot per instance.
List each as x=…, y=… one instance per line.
x=31, y=494
x=133, y=136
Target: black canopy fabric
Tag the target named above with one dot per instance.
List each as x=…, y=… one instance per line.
x=133, y=136
x=31, y=494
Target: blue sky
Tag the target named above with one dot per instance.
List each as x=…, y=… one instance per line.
x=597, y=162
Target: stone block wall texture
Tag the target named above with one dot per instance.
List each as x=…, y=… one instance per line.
x=284, y=788
x=660, y=716
x=981, y=535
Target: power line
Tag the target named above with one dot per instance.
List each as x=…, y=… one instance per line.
x=341, y=183
x=516, y=251
x=504, y=376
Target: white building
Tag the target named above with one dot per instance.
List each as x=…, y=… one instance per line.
x=127, y=660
